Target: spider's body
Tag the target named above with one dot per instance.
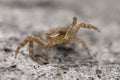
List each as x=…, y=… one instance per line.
x=57, y=37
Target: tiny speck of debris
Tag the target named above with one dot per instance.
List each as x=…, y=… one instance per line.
x=91, y=78
x=64, y=72
x=33, y=74
x=7, y=50
x=35, y=67
x=4, y=60
x=99, y=76
x=98, y=71
x=45, y=63
x=58, y=75
x=13, y=66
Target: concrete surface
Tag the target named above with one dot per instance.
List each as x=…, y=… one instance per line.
x=21, y=18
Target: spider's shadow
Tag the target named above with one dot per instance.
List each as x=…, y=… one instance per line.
x=67, y=54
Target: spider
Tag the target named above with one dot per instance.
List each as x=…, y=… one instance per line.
x=56, y=37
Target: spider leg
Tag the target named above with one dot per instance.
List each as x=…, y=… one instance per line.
x=89, y=26
x=40, y=42
x=41, y=54
x=84, y=45
x=71, y=32
x=31, y=51
x=30, y=40
x=21, y=45
x=73, y=29
x=74, y=21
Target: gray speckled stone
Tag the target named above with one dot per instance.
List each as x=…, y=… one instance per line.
x=17, y=21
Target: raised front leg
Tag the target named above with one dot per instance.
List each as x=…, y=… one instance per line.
x=89, y=26
x=74, y=27
x=74, y=21
x=72, y=30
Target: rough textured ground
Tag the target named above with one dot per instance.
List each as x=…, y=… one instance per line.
x=19, y=19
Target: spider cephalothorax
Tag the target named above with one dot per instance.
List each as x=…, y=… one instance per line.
x=57, y=37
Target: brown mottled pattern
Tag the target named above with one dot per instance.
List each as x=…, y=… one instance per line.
x=57, y=37
x=59, y=40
